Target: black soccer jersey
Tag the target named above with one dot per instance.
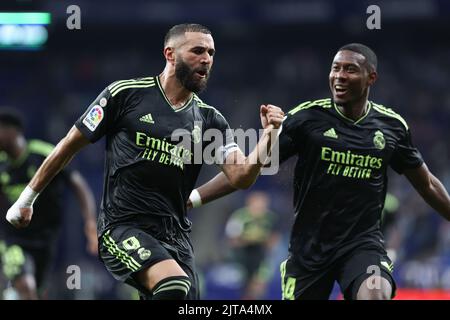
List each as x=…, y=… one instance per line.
x=153, y=152
x=340, y=176
x=14, y=177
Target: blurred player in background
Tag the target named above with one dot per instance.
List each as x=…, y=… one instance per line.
x=251, y=233
x=27, y=254
x=344, y=146
x=143, y=228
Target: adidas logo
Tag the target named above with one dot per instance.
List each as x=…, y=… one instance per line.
x=147, y=118
x=330, y=133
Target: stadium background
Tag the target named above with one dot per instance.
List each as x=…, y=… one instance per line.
x=267, y=51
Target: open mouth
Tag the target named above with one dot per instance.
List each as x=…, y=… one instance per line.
x=202, y=73
x=340, y=89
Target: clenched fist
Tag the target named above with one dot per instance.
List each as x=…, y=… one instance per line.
x=271, y=115
x=19, y=217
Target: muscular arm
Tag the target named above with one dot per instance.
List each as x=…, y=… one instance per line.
x=431, y=189
x=240, y=172
x=58, y=159
x=234, y=176
x=21, y=211
x=243, y=171
x=216, y=188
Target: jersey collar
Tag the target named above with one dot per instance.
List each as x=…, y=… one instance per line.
x=187, y=104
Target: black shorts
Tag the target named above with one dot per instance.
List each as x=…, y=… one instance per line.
x=350, y=271
x=18, y=260
x=125, y=250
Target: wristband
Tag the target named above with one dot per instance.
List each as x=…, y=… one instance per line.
x=27, y=198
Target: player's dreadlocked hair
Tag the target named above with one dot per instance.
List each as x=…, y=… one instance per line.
x=10, y=118
x=180, y=29
x=371, y=57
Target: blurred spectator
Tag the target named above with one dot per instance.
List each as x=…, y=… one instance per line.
x=251, y=233
x=27, y=254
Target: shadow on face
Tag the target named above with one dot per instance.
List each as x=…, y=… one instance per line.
x=8, y=135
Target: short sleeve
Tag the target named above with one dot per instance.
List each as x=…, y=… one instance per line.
x=406, y=156
x=99, y=116
x=287, y=138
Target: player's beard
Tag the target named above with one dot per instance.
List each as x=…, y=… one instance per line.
x=186, y=75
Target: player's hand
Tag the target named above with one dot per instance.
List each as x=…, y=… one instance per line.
x=19, y=217
x=189, y=204
x=90, y=230
x=271, y=116
x=262, y=114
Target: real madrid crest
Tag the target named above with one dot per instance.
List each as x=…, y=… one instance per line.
x=144, y=254
x=378, y=140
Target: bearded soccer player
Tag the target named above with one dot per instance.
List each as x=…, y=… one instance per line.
x=344, y=147
x=143, y=229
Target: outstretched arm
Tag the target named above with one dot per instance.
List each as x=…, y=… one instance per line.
x=431, y=189
x=216, y=188
x=88, y=210
x=21, y=211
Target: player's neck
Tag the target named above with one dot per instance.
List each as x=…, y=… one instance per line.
x=174, y=91
x=355, y=110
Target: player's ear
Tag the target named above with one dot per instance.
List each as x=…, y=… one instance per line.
x=373, y=76
x=169, y=54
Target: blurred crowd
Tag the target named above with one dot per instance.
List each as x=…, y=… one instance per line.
x=282, y=65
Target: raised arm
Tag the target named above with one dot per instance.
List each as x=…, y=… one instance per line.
x=240, y=172
x=430, y=188
x=86, y=200
x=21, y=211
x=243, y=171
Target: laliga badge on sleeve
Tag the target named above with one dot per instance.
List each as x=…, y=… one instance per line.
x=94, y=117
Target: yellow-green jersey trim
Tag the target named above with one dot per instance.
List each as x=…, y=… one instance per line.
x=287, y=284
x=116, y=84
x=186, y=104
x=114, y=249
x=182, y=285
x=389, y=112
x=389, y=267
x=40, y=147
x=351, y=120
x=34, y=146
x=119, y=86
x=201, y=104
x=324, y=103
